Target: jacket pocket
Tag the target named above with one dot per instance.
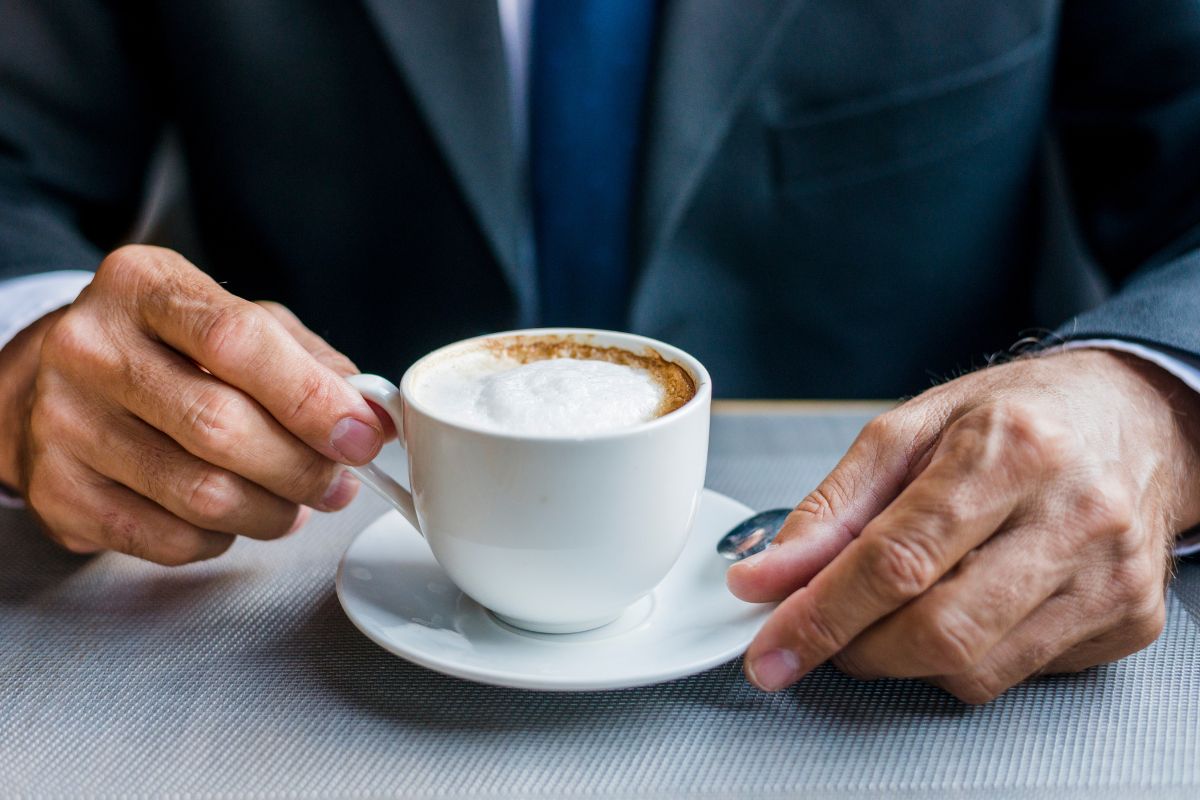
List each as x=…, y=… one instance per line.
x=860, y=140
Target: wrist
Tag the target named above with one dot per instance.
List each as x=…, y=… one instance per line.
x=18, y=370
x=1171, y=410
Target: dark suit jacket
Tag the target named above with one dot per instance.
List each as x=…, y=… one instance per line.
x=838, y=197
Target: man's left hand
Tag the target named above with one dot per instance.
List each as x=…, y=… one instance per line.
x=1011, y=522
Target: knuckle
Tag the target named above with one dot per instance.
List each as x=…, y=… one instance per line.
x=211, y=421
x=127, y=260
x=1129, y=545
x=1019, y=433
x=959, y=509
x=45, y=485
x=819, y=504
x=1135, y=580
x=131, y=269
x=277, y=309
x=123, y=532
x=1032, y=437
x=50, y=421
x=230, y=332
x=955, y=507
x=880, y=429
x=308, y=481
x=825, y=503
x=900, y=567
x=1017, y=418
x=312, y=394
x=950, y=641
x=1105, y=507
x=818, y=633
x=39, y=494
x=213, y=496
x=887, y=431
x=67, y=536
x=153, y=466
x=72, y=341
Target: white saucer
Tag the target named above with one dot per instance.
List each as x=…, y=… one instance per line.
x=394, y=592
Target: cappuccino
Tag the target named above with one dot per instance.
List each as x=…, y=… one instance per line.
x=539, y=460
x=551, y=386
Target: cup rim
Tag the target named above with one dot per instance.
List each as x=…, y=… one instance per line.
x=667, y=351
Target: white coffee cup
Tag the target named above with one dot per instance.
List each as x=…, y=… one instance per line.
x=553, y=534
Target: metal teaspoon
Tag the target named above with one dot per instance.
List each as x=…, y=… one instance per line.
x=753, y=535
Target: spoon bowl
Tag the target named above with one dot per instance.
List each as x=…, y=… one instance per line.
x=752, y=535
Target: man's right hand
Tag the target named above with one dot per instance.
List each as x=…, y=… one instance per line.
x=160, y=415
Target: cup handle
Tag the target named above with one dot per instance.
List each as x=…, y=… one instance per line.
x=384, y=394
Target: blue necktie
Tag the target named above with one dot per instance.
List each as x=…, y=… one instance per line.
x=588, y=69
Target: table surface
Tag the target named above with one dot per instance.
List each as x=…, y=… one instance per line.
x=242, y=676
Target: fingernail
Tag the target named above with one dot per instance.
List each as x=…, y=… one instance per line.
x=759, y=557
x=301, y=518
x=340, y=492
x=774, y=670
x=355, y=441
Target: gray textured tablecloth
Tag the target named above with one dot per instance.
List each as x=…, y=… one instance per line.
x=242, y=677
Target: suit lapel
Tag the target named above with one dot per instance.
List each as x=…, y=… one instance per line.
x=710, y=55
x=452, y=55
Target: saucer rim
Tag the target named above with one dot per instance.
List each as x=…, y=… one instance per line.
x=523, y=680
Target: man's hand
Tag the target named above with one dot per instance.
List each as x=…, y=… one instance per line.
x=1011, y=522
x=159, y=415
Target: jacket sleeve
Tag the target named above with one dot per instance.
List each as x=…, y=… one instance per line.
x=1127, y=115
x=77, y=129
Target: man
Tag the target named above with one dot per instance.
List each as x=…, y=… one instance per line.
x=816, y=198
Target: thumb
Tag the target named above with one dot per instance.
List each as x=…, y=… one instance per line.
x=887, y=454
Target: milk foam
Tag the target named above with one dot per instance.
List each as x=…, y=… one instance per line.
x=555, y=396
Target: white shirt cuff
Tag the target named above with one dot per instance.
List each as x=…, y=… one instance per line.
x=1189, y=373
x=25, y=300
